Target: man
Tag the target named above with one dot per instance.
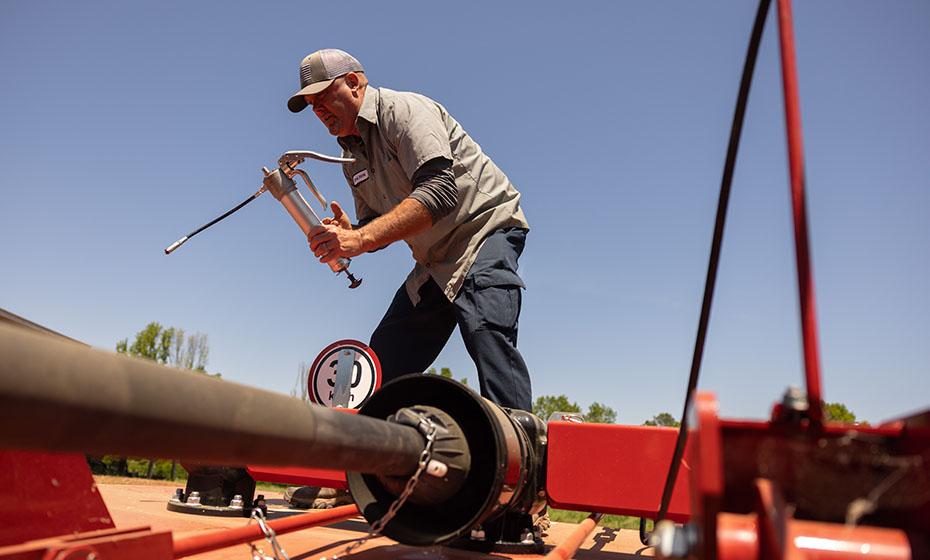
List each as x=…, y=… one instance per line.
x=419, y=177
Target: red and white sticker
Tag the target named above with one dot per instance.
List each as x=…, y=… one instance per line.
x=360, y=375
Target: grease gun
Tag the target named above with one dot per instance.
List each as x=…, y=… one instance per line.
x=280, y=183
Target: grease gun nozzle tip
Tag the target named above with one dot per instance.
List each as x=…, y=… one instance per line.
x=175, y=245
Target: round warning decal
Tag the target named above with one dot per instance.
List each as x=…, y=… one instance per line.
x=344, y=375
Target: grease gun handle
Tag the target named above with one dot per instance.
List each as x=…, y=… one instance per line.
x=296, y=157
x=312, y=187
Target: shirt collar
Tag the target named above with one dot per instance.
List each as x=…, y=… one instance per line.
x=369, y=109
x=367, y=113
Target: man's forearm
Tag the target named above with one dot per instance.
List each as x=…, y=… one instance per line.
x=407, y=219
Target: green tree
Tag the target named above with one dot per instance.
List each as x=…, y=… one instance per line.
x=546, y=405
x=170, y=346
x=597, y=413
x=447, y=373
x=152, y=343
x=600, y=414
x=838, y=412
x=663, y=419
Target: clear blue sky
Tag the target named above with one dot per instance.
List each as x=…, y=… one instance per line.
x=124, y=125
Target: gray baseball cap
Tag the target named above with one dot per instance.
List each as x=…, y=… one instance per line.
x=318, y=70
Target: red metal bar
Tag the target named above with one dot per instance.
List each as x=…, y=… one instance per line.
x=811, y=540
x=831, y=541
x=137, y=543
x=299, y=476
x=567, y=548
x=707, y=476
x=737, y=537
x=228, y=537
x=801, y=243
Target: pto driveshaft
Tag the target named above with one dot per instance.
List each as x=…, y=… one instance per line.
x=57, y=395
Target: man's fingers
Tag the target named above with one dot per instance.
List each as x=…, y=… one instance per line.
x=339, y=215
x=330, y=242
x=321, y=237
x=326, y=250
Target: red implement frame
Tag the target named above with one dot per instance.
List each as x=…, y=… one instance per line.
x=797, y=487
x=607, y=468
x=774, y=490
x=48, y=494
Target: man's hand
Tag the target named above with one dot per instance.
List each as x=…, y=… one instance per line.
x=335, y=238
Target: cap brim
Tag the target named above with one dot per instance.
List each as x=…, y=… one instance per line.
x=297, y=103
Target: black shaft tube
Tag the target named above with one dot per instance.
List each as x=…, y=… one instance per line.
x=57, y=395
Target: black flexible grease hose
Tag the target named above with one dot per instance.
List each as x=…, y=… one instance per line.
x=722, y=203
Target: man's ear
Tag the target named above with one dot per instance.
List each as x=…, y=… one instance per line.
x=353, y=81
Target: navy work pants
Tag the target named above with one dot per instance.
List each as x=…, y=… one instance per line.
x=487, y=312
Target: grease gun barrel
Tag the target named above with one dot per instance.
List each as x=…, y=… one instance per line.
x=285, y=190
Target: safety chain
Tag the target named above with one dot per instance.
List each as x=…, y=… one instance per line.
x=428, y=428
x=259, y=554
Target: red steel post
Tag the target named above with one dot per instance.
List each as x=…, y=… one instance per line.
x=802, y=245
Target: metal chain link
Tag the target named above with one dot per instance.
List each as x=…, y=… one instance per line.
x=429, y=430
x=259, y=554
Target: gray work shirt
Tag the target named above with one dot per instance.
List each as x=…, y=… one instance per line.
x=401, y=131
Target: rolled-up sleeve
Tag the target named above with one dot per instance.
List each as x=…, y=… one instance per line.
x=434, y=187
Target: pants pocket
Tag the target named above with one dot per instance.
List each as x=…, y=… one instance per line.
x=497, y=307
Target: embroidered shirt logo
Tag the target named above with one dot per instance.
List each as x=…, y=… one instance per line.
x=359, y=177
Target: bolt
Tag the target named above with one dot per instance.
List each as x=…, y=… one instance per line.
x=436, y=468
x=673, y=541
x=794, y=400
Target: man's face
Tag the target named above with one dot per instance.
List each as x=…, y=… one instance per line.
x=337, y=106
